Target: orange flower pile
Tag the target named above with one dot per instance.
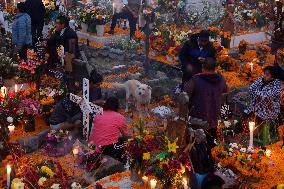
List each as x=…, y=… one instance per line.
x=255, y=168
x=226, y=35
x=91, y=43
x=249, y=55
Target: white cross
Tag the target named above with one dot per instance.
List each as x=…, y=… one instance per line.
x=86, y=106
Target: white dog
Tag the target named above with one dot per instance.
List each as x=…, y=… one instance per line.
x=141, y=93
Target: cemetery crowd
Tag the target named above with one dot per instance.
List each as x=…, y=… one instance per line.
x=205, y=89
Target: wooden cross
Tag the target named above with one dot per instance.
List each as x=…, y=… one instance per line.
x=86, y=106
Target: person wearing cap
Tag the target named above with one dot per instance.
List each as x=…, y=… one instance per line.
x=193, y=54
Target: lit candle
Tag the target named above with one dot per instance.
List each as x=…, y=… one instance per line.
x=251, y=129
x=251, y=66
x=8, y=176
x=11, y=128
x=14, y=2
x=16, y=88
x=145, y=180
x=184, y=181
x=153, y=183
x=6, y=4
x=268, y=153
x=3, y=92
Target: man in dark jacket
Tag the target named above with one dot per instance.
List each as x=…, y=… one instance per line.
x=194, y=52
x=36, y=10
x=205, y=93
x=67, y=37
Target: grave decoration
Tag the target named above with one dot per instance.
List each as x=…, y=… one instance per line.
x=58, y=143
x=87, y=107
x=160, y=158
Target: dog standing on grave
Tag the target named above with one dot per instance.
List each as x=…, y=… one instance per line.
x=141, y=94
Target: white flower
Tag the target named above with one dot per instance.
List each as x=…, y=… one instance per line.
x=41, y=181
x=230, y=154
x=76, y=185
x=17, y=184
x=243, y=150
x=250, y=150
x=10, y=120
x=55, y=186
x=231, y=149
x=227, y=124
x=235, y=122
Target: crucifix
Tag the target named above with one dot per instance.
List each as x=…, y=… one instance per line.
x=86, y=106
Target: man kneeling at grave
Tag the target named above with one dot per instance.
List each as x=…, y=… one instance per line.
x=67, y=115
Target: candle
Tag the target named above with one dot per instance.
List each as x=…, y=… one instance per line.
x=6, y=4
x=14, y=2
x=113, y=8
x=3, y=92
x=251, y=66
x=268, y=153
x=11, y=128
x=16, y=88
x=62, y=54
x=145, y=180
x=153, y=183
x=184, y=181
x=251, y=129
x=8, y=176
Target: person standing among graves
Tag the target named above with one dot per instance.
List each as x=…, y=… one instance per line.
x=194, y=52
x=130, y=11
x=205, y=92
x=36, y=10
x=2, y=21
x=21, y=31
x=69, y=40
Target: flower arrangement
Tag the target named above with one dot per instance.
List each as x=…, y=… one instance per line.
x=249, y=55
x=90, y=161
x=247, y=162
x=30, y=106
x=51, y=8
x=225, y=35
x=32, y=67
x=157, y=158
x=58, y=143
x=41, y=175
x=10, y=107
x=214, y=32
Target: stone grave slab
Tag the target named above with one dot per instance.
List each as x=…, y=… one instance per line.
x=251, y=38
x=102, y=40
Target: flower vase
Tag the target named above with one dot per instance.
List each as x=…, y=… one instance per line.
x=100, y=30
x=29, y=124
x=84, y=27
x=135, y=175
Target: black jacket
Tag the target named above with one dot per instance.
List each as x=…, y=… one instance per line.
x=36, y=10
x=190, y=53
x=65, y=38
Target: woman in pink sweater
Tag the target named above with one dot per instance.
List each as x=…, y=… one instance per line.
x=110, y=131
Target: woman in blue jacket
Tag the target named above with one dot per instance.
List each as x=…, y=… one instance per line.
x=21, y=31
